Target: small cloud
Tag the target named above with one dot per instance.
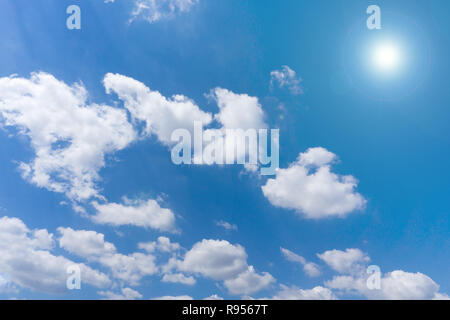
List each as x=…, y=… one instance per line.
x=310, y=268
x=156, y=10
x=286, y=77
x=226, y=225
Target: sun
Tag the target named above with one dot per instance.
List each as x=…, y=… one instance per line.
x=386, y=57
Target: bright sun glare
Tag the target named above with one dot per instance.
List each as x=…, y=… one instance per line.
x=386, y=57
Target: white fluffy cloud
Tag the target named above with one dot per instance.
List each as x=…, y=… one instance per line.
x=147, y=214
x=286, y=77
x=294, y=293
x=156, y=10
x=248, y=282
x=178, y=278
x=309, y=187
x=348, y=261
x=238, y=111
x=26, y=258
x=216, y=259
x=129, y=268
x=69, y=136
x=310, y=268
x=125, y=294
x=162, y=244
x=221, y=260
x=395, y=285
x=88, y=244
x=160, y=115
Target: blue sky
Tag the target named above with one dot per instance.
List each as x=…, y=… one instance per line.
x=387, y=130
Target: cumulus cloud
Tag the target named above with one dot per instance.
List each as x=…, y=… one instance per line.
x=125, y=294
x=294, y=293
x=248, y=282
x=162, y=244
x=25, y=256
x=240, y=117
x=286, y=77
x=309, y=187
x=395, y=285
x=348, y=261
x=178, y=278
x=160, y=115
x=310, y=268
x=147, y=214
x=70, y=137
x=88, y=244
x=156, y=10
x=129, y=268
x=221, y=260
x=216, y=259
x=238, y=111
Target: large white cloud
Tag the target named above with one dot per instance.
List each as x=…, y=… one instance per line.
x=25, y=256
x=238, y=111
x=395, y=285
x=309, y=187
x=216, y=259
x=147, y=214
x=238, y=114
x=88, y=244
x=160, y=115
x=70, y=137
x=129, y=268
x=221, y=260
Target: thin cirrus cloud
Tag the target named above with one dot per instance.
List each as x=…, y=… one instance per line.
x=310, y=188
x=156, y=10
x=310, y=268
x=226, y=225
